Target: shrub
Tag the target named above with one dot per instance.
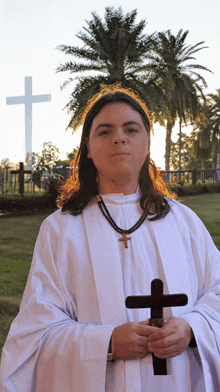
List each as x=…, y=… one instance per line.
x=18, y=205
x=27, y=204
x=198, y=189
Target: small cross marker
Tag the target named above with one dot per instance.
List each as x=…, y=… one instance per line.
x=21, y=173
x=156, y=301
x=125, y=239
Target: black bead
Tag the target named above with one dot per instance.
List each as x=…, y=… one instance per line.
x=107, y=215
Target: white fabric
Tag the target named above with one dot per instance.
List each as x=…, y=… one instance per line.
x=75, y=296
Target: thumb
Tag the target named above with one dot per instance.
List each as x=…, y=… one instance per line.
x=145, y=322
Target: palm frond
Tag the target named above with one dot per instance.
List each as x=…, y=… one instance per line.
x=79, y=67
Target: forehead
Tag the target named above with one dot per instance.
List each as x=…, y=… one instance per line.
x=117, y=112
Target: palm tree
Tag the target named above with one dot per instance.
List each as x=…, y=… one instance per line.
x=207, y=130
x=214, y=103
x=179, y=80
x=201, y=135
x=116, y=49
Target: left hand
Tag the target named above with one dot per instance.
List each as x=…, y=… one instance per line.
x=170, y=340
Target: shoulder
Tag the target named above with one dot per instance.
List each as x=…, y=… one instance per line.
x=187, y=220
x=179, y=209
x=59, y=221
x=180, y=212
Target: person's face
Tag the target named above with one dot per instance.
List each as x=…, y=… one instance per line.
x=118, y=143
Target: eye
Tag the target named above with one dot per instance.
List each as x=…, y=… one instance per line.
x=104, y=133
x=132, y=130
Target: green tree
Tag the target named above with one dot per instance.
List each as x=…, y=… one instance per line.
x=46, y=161
x=71, y=156
x=180, y=81
x=185, y=152
x=214, y=102
x=193, y=155
x=201, y=144
x=117, y=50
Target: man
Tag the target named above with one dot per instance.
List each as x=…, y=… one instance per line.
x=116, y=233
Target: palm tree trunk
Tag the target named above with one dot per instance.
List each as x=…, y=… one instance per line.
x=169, y=128
x=214, y=151
x=180, y=144
x=203, y=163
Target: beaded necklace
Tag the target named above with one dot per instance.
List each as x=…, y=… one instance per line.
x=107, y=215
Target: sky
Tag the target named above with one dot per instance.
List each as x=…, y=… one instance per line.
x=30, y=31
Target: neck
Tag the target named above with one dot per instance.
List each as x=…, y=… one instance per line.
x=117, y=186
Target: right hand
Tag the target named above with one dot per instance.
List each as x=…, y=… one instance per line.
x=129, y=341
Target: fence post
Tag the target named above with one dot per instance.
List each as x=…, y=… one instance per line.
x=194, y=177
x=2, y=184
x=15, y=184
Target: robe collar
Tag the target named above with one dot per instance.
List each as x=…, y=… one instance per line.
x=120, y=198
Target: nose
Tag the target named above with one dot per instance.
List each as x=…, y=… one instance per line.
x=119, y=137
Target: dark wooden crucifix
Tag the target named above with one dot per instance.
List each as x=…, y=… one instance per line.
x=157, y=301
x=21, y=173
x=125, y=239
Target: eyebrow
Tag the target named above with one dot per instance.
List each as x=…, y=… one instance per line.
x=112, y=126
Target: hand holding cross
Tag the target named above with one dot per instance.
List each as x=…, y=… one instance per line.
x=156, y=302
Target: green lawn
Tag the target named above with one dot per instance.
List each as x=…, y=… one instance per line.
x=17, y=239
x=18, y=236
x=207, y=207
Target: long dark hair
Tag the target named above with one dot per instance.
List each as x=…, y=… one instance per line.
x=81, y=187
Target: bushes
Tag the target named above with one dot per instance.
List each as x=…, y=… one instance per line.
x=31, y=204
x=26, y=204
x=198, y=189
x=17, y=205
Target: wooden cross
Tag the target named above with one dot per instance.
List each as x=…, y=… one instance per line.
x=21, y=173
x=156, y=301
x=125, y=239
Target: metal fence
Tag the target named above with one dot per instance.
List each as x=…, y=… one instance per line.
x=10, y=184
x=191, y=176
x=9, y=181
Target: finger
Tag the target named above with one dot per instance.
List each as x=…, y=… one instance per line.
x=171, y=353
x=145, y=330
x=161, y=333
x=163, y=347
x=142, y=341
x=145, y=322
x=169, y=341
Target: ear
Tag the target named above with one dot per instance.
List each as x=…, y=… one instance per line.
x=88, y=147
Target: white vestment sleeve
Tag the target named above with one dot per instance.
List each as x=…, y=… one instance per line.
x=204, y=319
x=47, y=349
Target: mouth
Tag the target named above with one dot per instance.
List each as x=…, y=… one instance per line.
x=119, y=153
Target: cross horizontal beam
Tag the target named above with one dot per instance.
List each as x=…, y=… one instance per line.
x=156, y=301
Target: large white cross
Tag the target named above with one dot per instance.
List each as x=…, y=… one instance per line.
x=27, y=100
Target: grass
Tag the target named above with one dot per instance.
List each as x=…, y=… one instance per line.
x=17, y=240
x=207, y=207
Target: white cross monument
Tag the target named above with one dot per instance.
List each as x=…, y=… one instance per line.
x=28, y=99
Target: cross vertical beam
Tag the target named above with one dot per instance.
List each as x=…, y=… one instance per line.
x=156, y=301
x=28, y=99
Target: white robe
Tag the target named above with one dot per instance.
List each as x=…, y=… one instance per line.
x=75, y=296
